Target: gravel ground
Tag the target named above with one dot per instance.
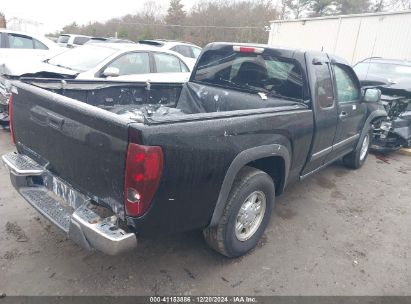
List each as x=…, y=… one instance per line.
x=340, y=232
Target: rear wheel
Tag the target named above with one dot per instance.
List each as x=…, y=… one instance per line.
x=245, y=216
x=357, y=158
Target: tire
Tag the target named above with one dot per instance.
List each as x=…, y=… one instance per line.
x=249, y=184
x=357, y=158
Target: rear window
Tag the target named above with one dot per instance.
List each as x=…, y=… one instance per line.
x=63, y=39
x=80, y=40
x=83, y=58
x=264, y=73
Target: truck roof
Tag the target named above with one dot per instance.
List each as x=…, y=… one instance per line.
x=291, y=51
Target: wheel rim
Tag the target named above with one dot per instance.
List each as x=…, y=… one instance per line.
x=364, y=147
x=250, y=215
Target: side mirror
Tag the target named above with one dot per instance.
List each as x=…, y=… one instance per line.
x=372, y=95
x=111, y=72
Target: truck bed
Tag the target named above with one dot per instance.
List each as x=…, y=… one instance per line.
x=153, y=103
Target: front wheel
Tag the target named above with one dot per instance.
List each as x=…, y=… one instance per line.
x=357, y=157
x=245, y=216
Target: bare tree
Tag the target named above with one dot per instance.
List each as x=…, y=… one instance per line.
x=207, y=21
x=390, y=5
x=298, y=7
x=284, y=8
x=3, y=22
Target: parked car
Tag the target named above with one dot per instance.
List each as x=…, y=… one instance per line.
x=19, y=45
x=134, y=160
x=129, y=62
x=108, y=40
x=393, y=78
x=186, y=49
x=71, y=41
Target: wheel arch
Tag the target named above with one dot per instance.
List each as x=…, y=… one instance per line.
x=377, y=114
x=273, y=159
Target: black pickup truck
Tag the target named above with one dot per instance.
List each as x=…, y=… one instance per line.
x=111, y=162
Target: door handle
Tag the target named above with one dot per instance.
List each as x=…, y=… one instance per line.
x=343, y=114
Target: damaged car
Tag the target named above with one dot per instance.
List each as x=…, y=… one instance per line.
x=393, y=78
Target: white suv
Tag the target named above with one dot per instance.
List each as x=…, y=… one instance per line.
x=71, y=41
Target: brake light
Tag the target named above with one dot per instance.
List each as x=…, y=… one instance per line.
x=247, y=49
x=144, y=166
x=11, y=119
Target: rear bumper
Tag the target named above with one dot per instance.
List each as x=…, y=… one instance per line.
x=90, y=226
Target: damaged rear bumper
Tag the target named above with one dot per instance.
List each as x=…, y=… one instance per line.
x=90, y=226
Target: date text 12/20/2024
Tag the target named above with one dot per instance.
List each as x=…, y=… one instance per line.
x=203, y=299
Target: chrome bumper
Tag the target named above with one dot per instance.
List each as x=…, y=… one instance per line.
x=68, y=209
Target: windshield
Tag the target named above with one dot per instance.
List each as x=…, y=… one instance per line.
x=259, y=73
x=82, y=58
x=386, y=70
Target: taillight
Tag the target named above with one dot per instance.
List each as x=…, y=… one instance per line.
x=248, y=49
x=11, y=118
x=143, y=171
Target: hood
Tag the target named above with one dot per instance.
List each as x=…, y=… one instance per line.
x=402, y=87
x=373, y=80
x=34, y=68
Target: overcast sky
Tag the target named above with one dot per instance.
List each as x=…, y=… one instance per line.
x=54, y=14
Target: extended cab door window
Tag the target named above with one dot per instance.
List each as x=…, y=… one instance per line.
x=132, y=63
x=324, y=86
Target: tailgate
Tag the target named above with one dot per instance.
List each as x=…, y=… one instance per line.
x=81, y=144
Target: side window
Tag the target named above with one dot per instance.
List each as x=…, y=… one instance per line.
x=1, y=42
x=196, y=52
x=132, y=63
x=346, y=86
x=80, y=40
x=184, y=50
x=166, y=63
x=38, y=45
x=20, y=42
x=323, y=86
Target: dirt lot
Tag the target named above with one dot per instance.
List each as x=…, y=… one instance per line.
x=341, y=232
